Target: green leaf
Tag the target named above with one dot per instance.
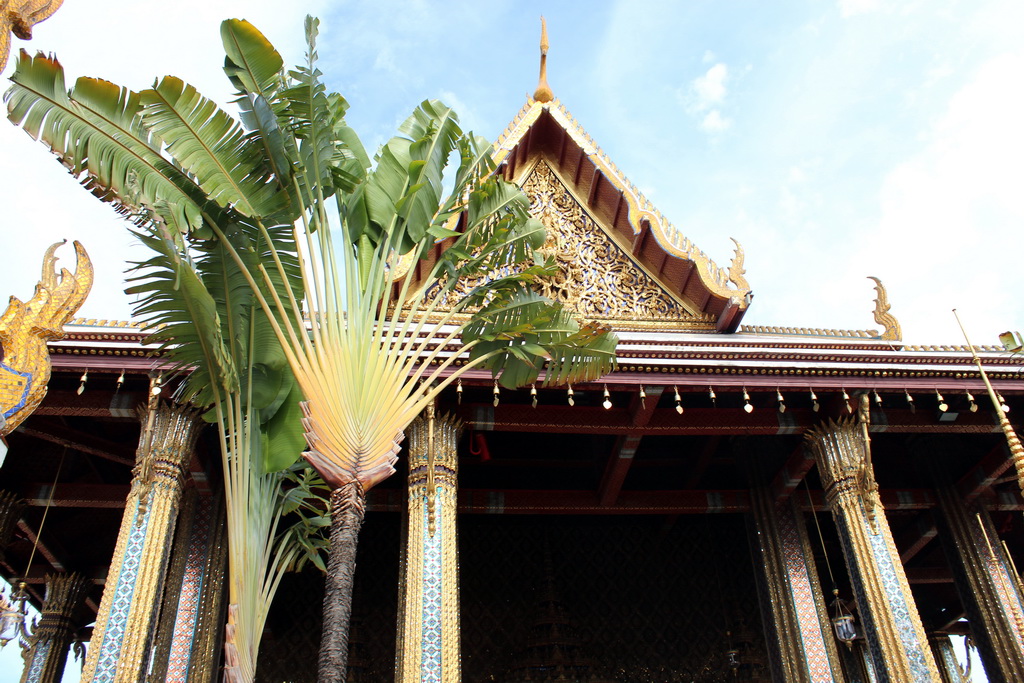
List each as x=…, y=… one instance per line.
x=285, y=436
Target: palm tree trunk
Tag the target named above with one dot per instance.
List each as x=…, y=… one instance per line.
x=348, y=505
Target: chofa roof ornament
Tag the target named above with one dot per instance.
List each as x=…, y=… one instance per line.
x=26, y=327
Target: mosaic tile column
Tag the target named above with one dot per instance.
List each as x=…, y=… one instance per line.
x=53, y=635
x=800, y=634
x=428, y=621
x=188, y=639
x=122, y=639
x=987, y=585
x=889, y=616
x=949, y=667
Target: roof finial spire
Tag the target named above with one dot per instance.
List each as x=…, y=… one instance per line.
x=543, y=92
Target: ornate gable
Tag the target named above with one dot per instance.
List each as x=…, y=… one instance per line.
x=598, y=280
x=713, y=296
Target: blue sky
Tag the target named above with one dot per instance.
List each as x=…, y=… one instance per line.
x=835, y=140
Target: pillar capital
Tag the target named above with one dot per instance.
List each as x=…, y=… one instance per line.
x=53, y=634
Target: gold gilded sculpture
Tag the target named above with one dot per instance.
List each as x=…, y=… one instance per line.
x=25, y=328
x=891, y=331
x=18, y=17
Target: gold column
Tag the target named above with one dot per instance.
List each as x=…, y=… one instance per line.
x=889, y=616
x=987, y=585
x=949, y=667
x=52, y=636
x=188, y=637
x=122, y=639
x=428, y=628
x=803, y=638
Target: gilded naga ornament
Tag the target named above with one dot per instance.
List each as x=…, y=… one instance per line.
x=18, y=17
x=25, y=328
x=891, y=326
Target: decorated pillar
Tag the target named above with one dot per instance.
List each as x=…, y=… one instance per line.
x=187, y=641
x=893, y=628
x=987, y=584
x=800, y=632
x=428, y=620
x=122, y=638
x=945, y=657
x=53, y=634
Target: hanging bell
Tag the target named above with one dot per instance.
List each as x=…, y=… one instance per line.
x=533, y=395
x=607, y=403
x=571, y=395
x=781, y=400
x=815, y=406
x=974, y=404
x=679, y=400
x=746, y=402
x=458, y=392
x=643, y=397
x=83, y=380
x=497, y=394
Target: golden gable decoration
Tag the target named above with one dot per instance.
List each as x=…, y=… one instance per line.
x=598, y=280
x=26, y=327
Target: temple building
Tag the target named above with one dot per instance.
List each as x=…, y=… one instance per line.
x=732, y=503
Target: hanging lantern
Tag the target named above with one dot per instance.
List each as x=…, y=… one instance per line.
x=843, y=622
x=13, y=615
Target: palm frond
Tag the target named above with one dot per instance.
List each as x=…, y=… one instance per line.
x=97, y=132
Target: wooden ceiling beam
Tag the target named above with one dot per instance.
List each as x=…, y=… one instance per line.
x=62, y=435
x=703, y=460
x=618, y=467
x=683, y=502
x=793, y=471
x=563, y=419
x=72, y=495
x=91, y=404
x=928, y=575
x=986, y=473
x=914, y=537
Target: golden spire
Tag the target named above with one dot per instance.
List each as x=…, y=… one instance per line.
x=543, y=92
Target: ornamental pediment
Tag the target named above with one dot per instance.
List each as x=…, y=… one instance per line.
x=598, y=279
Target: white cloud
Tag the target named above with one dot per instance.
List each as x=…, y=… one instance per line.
x=710, y=89
x=951, y=216
x=714, y=122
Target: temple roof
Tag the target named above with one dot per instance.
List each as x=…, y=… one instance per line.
x=545, y=130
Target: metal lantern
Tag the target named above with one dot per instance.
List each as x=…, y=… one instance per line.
x=843, y=622
x=13, y=615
